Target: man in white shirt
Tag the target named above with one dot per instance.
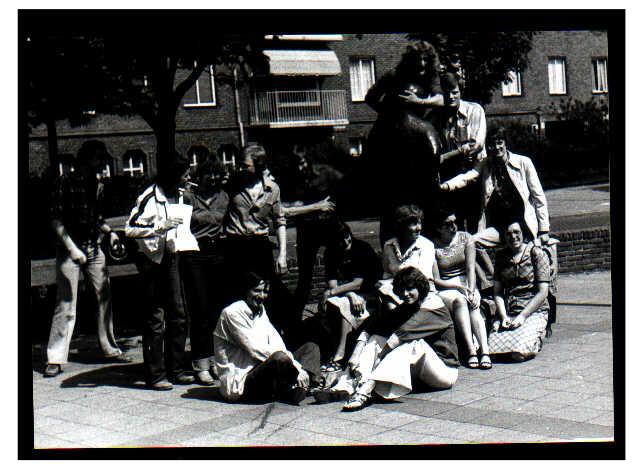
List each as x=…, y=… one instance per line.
x=251, y=359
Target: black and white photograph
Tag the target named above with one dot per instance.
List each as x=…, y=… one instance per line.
x=347, y=230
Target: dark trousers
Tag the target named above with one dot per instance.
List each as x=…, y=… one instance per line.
x=244, y=254
x=202, y=276
x=310, y=237
x=273, y=379
x=165, y=327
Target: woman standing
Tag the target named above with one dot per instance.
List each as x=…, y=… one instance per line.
x=521, y=279
x=202, y=272
x=455, y=279
x=165, y=325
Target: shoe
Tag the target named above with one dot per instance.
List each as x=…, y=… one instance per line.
x=161, y=385
x=118, y=358
x=356, y=402
x=204, y=378
x=183, y=379
x=52, y=370
x=327, y=395
x=485, y=363
x=295, y=395
x=473, y=361
x=331, y=366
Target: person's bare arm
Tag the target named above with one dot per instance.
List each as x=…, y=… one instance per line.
x=75, y=253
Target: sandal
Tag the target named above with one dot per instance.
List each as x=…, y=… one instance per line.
x=485, y=363
x=331, y=366
x=356, y=402
x=473, y=361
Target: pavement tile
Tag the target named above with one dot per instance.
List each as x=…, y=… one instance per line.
x=456, y=397
x=253, y=429
x=510, y=436
x=45, y=421
x=43, y=441
x=110, y=439
x=497, y=403
x=351, y=430
x=499, y=419
x=563, y=398
x=398, y=437
x=606, y=418
x=216, y=439
x=561, y=428
x=315, y=439
x=63, y=427
x=419, y=407
x=389, y=419
x=537, y=407
x=59, y=410
x=603, y=403
x=87, y=433
x=464, y=414
x=577, y=413
x=529, y=392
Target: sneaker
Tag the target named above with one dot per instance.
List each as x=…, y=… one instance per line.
x=52, y=370
x=161, y=385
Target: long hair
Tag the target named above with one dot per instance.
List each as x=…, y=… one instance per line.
x=410, y=278
x=408, y=66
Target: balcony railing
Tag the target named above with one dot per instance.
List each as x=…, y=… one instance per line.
x=299, y=108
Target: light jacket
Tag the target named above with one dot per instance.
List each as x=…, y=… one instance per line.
x=524, y=177
x=146, y=216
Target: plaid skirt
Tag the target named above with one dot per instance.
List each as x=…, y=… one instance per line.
x=528, y=338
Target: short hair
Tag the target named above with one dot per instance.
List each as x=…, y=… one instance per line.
x=171, y=170
x=524, y=228
x=449, y=81
x=439, y=215
x=250, y=280
x=258, y=154
x=410, y=278
x=210, y=166
x=496, y=133
x=405, y=214
x=340, y=231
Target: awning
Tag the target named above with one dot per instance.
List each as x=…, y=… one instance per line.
x=303, y=62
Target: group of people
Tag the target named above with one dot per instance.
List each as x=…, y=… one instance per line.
x=384, y=324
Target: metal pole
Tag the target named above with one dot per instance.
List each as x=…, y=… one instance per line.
x=240, y=124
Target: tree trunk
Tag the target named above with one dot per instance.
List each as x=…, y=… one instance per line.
x=165, y=135
x=52, y=142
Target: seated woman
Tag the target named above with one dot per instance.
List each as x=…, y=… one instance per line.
x=521, y=278
x=420, y=346
x=352, y=269
x=407, y=248
x=455, y=279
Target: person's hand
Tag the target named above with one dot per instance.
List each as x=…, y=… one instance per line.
x=544, y=238
x=326, y=205
x=467, y=148
x=357, y=303
x=303, y=379
x=115, y=241
x=410, y=97
x=474, y=298
x=78, y=256
x=462, y=289
x=444, y=187
x=517, y=322
x=496, y=325
x=281, y=267
x=168, y=224
x=506, y=322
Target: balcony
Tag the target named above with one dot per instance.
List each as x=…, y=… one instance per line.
x=282, y=109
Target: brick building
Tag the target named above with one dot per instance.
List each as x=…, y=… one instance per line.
x=314, y=92
x=562, y=65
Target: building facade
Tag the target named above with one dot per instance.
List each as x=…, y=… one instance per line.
x=314, y=92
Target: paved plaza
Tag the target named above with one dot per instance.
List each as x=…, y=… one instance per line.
x=565, y=394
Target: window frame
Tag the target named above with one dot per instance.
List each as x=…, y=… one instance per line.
x=565, y=76
x=130, y=169
x=195, y=89
x=506, y=92
x=359, y=59
x=593, y=62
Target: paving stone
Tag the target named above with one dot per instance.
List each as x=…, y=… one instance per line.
x=499, y=419
x=111, y=439
x=457, y=397
x=389, y=419
x=563, y=398
x=216, y=439
x=398, y=437
x=350, y=430
x=497, y=403
x=421, y=408
x=577, y=413
x=602, y=403
x=510, y=436
x=561, y=428
x=528, y=392
x=464, y=414
x=43, y=441
x=606, y=418
x=254, y=429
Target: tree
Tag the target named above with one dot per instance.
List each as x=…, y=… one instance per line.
x=486, y=57
x=128, y=69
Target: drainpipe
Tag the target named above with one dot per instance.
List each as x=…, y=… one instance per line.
x=240, y=124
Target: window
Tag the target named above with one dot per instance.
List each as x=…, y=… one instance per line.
x=203, y=93
x=65, y=164
x=600, y=75
x=557, y=75
x=512, y=87
x=363, y=76
x=134, y=163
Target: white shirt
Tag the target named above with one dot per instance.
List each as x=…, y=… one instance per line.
x=241, y=341
x=420, y=255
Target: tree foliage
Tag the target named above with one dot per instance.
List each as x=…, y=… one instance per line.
x=486, y=57
x=128, y=71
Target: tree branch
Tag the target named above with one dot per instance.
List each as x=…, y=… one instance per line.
x=183, y=87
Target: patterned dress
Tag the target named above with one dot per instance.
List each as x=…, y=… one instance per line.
x=520, y=281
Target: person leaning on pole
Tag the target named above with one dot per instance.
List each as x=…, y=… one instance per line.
x=78, y=222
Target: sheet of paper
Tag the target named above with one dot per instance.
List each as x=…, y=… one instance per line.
x=181, y=239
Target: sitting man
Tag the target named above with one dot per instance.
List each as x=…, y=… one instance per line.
x=251, y=359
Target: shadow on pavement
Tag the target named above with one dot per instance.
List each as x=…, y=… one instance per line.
x=124, y=375
x=204, y=393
